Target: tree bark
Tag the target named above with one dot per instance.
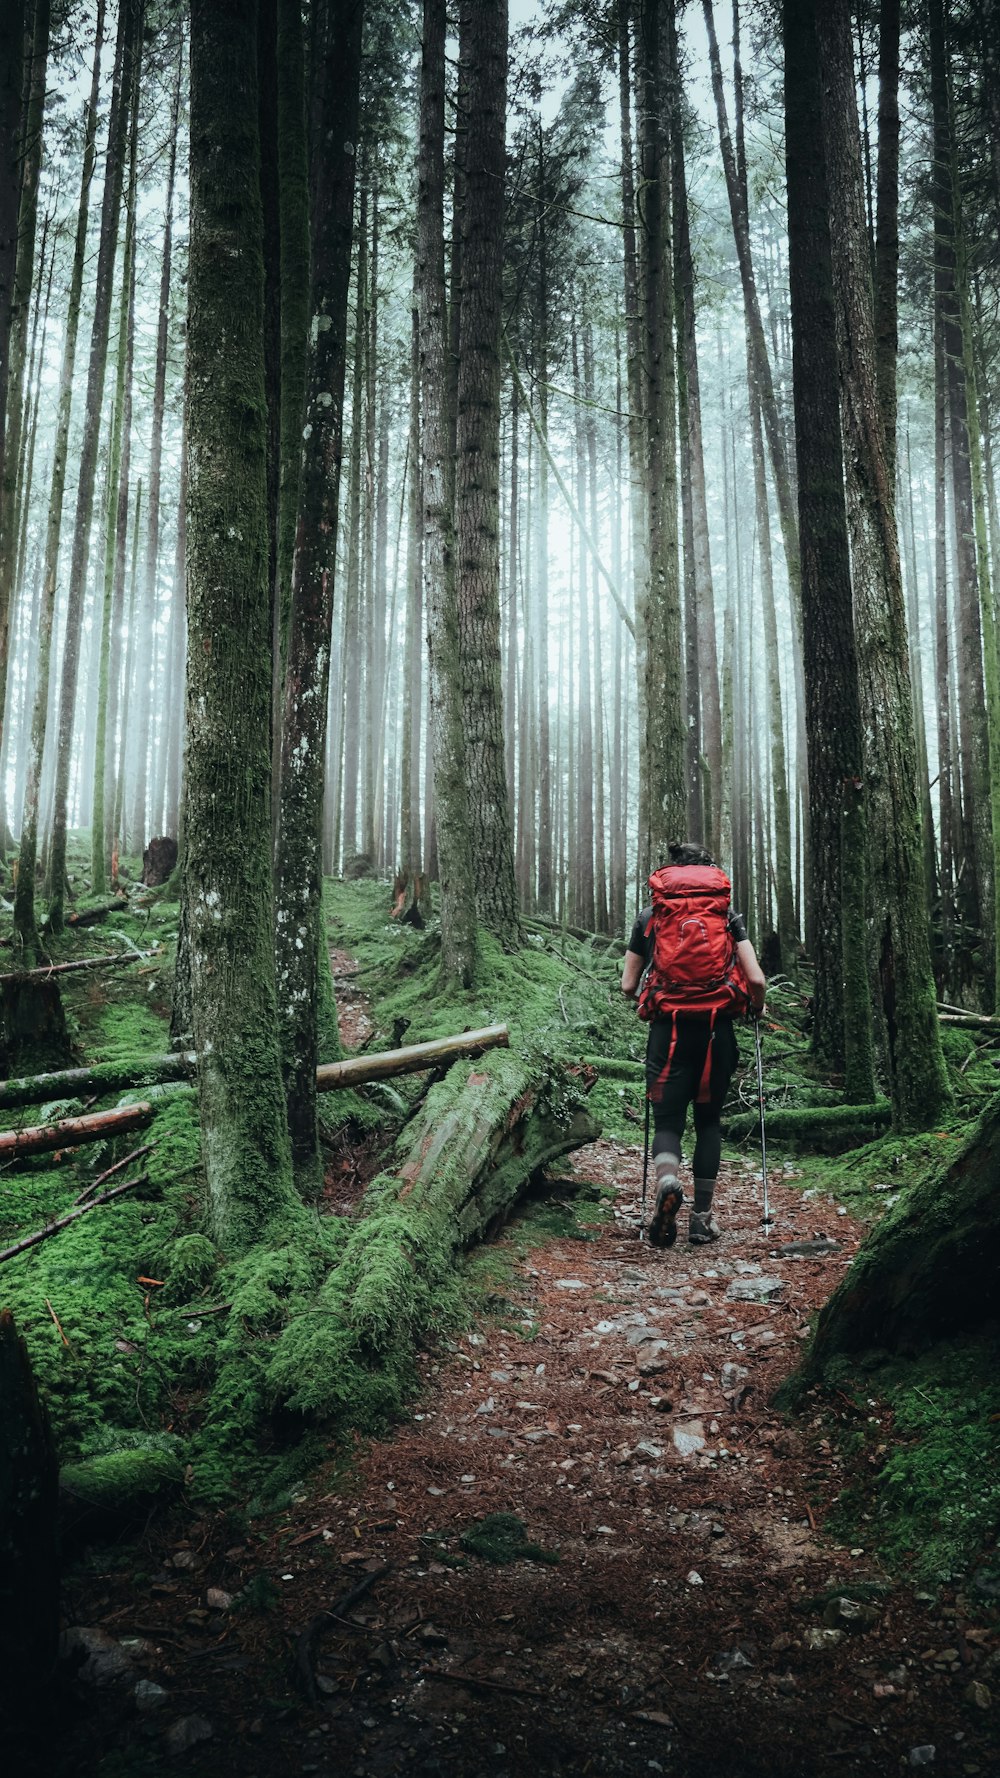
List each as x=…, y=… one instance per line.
x=658, y=617
x=298, y=862
x=898, y=914
x=483, y=49
x=125, y=56
x=29, y=1556
x=887, y=227
x=451, y=812
x=24, y=896
x=245, y=1146
x=842, y=1012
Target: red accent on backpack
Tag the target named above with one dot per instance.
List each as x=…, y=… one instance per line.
x=694, y=966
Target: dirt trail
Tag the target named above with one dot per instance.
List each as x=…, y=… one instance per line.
x=625, y=1419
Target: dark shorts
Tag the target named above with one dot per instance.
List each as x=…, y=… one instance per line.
x=675, y=1065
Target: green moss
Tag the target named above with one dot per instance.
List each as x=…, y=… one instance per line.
x=933, y=1504
x=191, y=1266
x=123, y=1483
x=502, y=1538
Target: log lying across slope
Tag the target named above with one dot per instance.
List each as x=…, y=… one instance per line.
x=460, y=1165
x=116, y=1077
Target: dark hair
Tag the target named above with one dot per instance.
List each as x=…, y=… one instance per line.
x=688, y=852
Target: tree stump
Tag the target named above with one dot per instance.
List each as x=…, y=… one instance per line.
x=33, y=1033
x=29, y=1569
x=159, y=861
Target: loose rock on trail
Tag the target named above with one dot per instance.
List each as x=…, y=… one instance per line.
x=696, y=1620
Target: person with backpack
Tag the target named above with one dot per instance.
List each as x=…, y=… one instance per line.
x=693, y=970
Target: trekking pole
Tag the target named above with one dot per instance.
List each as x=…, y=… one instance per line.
x=760, y=1101
x=645, y=1175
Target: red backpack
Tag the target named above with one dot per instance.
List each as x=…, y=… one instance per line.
x=694, y=966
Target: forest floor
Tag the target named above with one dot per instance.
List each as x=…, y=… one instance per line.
x=676, y=1605
x=678, y=1543
x=679, y=1619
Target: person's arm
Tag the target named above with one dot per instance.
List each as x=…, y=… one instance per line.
x=756, y=980
x=632, y=974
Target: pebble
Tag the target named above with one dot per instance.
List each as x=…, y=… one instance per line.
x=217, y=1600
x=570, y=1284
x=104, y=1659
x=148, y=1695
x=850, y=1614
x=186, y=1732
x=694, y=1578
x=689, y=1438
x=923, y=1756
x=753, y=1290
x=978, y=1694
x=822, y=1639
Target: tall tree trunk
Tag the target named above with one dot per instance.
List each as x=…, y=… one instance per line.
x=600, y=855
x=20, y=165
x=174, y=735
x=245, y=1146
x=409, y=771
x=147, y=606
x=128, y=676
x=450, y=827
x=842, y=1006
x=544, y=887
x=898, y=914
x=299, y=929
x=483, y=49
x=585, y=709
x=887, y=226
x=353, y=665
x=125, y=56
x=24, y=898
x=658, y=607
x=942, y=628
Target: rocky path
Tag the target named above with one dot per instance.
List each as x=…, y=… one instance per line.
x=688, y=1618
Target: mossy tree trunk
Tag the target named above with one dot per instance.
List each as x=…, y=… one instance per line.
x=483, y=50
x=245, y=1145
x=451, y=809
x=116, y=531
x=842, y=1007
x=299, y=926
x=658, y=612
x=898, y=915
x=141, y=802
x=24, y=898
x=125, y=69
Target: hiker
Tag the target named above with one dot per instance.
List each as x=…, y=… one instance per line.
x=693, y=969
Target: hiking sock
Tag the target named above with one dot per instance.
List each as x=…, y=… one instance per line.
x=704, y=1191
x=669, y=1198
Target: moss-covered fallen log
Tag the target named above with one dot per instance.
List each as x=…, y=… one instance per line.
x=71, y=1132
x=412, y=1058
x=45, y=974
x=460, y=1165
x=812, y=1123
x=144, y=1071
x=109, y=1492
x=931, y=1268
x=104, y=1077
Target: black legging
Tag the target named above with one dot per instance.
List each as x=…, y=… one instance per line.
x=673, y=1077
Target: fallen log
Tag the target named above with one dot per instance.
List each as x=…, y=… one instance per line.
x=971, y=1021
x=45, y=974
x=812, y=1123
x=70, y=1132
x=460, y=1165
x=411, y=1059
x=62, y=1222
x=117, y=1077
x=104, y=1077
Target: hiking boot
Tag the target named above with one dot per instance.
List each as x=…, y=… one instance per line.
x=702, y=1228
x=663, y=1228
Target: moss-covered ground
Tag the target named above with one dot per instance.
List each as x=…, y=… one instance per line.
x=145, y=1337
